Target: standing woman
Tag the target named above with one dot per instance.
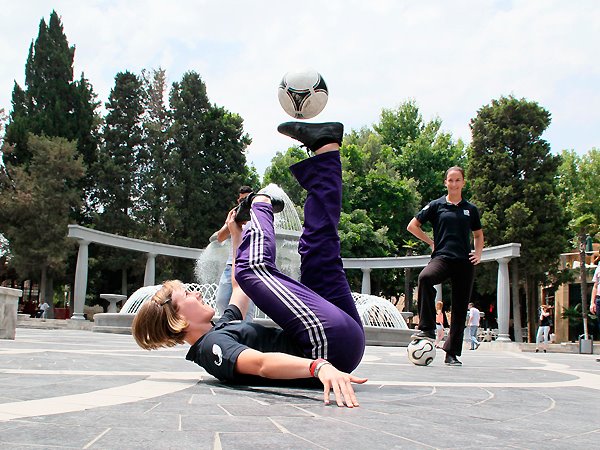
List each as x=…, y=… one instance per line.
x=453, y=220
x=543, y=330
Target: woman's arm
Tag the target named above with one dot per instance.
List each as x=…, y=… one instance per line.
x=475, y=256
x=223, y=233
x=414, y=227
x=238, y=296
x=282, y=366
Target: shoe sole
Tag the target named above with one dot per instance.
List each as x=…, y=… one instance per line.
x=310, y=133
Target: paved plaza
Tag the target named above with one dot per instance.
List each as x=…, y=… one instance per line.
x=79, y=389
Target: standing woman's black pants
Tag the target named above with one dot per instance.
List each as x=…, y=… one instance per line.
x=461, y=274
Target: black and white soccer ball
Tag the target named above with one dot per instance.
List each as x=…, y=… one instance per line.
x=421, y=352
x=303, y=93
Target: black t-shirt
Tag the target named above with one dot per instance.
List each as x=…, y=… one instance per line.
x=546, y=321
x=452, y=227
x=217, y=351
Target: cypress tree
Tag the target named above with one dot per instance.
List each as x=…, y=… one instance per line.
x=52, y=104
x=207, y=161
x=117, y=189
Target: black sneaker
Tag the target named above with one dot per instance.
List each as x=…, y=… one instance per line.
x=313, y=135
x=452, y=360
x=276, y=200
x=429, y=335
x=242, y=213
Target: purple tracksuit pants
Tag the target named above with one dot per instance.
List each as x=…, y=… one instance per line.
x=318, y=312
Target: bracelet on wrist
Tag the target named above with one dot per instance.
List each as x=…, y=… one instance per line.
x=320, y=366
x=313, y=366
x=316, y=365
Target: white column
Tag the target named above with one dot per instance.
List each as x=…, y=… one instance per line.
x=503, y=300
x=366, y=281
x=150, y=269
x=81, y=275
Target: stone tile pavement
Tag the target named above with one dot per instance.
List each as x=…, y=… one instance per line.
x=62, y=389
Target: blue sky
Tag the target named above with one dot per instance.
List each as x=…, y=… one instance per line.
x=451, y=57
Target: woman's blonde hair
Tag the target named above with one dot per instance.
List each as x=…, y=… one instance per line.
x=157, y=323
x=439, y=304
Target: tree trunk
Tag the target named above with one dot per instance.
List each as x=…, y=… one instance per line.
x=531, y=301
x=46, y=289
x=516, y=302
x=583, y=283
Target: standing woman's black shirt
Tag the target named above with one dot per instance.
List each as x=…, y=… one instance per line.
x=452, y=227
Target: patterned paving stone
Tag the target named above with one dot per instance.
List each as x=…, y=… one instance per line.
x=79, y=389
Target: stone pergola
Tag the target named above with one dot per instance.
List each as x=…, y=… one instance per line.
x=87, y=236
x=502, y=254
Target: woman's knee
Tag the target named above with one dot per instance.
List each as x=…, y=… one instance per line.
x=426, y=278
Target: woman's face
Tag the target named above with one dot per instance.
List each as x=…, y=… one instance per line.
x=454, y=182
x=191, y=306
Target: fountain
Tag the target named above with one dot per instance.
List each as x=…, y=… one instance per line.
x=384, y=324
x=288, y=228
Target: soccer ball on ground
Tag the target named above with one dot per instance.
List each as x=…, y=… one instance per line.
x=303, y=93
x=421, y=352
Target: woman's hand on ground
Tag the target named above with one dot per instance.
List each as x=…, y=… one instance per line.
x=341, y=383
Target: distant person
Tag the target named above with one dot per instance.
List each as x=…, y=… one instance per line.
x=225, y=289
x=440, y=323
x=44, y=307
x=473, y=324
x=321, y=333
x=595, y=301
x=453, y=220
x=545, y=321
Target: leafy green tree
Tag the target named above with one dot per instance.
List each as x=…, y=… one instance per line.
x=207, y=161
x=117, y=174
x=360, y=239
x=47, y=104
x=372, y=184
x=581, y=225
x=578, y=185
x=87, y=123
x=423, y=152
x=279, y=173
x=579, y=191
x=34, y=208
x=154, y=156
x=513, y=178
x=53, y=104
x=117, y=168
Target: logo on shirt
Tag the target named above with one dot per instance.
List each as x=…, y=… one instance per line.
x=466, y=212
x=218, y=353
x=425, y=208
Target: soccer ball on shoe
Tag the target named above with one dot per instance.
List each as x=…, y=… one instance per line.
x=421, y=352
x=303, y=93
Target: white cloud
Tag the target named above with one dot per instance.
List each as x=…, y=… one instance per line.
x=451, y=57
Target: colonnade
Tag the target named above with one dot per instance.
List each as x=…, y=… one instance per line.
x=501, y=254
